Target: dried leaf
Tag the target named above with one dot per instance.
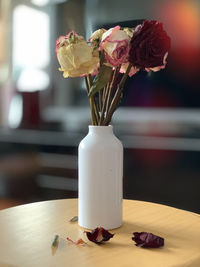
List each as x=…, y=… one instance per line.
x=74, y=219
x=54, y=244
x=55, y=241
x=101, y=79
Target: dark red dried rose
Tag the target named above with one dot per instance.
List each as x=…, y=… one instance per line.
x=99, y=235
x=148, y=240
x=149, y=45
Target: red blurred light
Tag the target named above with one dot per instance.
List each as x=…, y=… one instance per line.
x=181, y=21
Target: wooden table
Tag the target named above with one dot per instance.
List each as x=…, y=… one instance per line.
x=27, y=231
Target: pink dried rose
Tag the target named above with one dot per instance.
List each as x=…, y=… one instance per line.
x=115, y=43
x=149, y=46
x=99, y=235
x=147, y=240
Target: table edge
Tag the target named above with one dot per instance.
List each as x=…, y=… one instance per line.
x=124, y=199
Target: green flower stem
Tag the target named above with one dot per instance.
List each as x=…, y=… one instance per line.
x=100, y=99
x=107, y=86
x=117, y=97
x=111, y=87
x=87, y=84
x=93, y=119
x=95, y=109
x=106, y=91
x=103, y=96
x=104, y=105
x=89, y=80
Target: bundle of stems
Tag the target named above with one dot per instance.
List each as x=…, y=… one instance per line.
x=104, y=102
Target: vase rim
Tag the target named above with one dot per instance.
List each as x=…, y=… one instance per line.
x=100, y=129
x=98, y=126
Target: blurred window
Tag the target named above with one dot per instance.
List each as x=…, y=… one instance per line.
x=31, y=52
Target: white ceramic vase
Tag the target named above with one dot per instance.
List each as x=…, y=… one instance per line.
x=100, y=172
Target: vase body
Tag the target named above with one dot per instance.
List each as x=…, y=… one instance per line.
x=100, y=172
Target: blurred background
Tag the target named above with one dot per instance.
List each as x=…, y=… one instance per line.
x=43, y=116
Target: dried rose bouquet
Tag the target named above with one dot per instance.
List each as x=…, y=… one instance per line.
x=108, y=58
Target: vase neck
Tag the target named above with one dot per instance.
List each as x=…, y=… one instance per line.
x=100, y=129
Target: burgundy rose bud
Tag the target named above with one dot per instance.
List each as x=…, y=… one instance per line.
x=147, y=240
x=149, y=46
x=99, y=235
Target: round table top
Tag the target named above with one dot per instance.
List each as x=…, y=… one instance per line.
x=27, y=231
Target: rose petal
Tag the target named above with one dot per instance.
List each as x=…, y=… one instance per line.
x=155, y=69
x=108, y=33
x=96, y=35
x=124, y=67
x=99, y=235
x=147, y=240
x=78, y=242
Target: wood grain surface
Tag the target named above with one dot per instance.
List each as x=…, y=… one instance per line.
x=27, y=232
